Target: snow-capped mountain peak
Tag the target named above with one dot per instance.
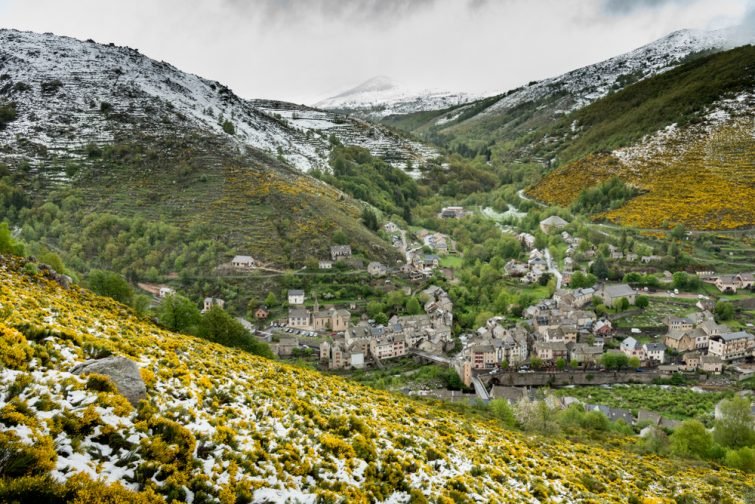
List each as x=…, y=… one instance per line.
x=382, y=96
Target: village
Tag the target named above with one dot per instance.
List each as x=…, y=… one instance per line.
x=569, y=333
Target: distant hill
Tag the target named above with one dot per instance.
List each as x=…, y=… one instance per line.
x=114, y=133
x=218, y=424
x=380, y=96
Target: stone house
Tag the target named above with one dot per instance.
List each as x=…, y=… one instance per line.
x=377, y=269
x=585, y=354
x=209, y=302
x=552, y=223
x=261, y=313
x=611, y=293
x=325, y=265
x=550, y=352
x=727, y=284
x=340, y=252
x=242, y=262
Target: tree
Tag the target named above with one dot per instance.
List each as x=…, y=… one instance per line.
x=370, y=219
x=53, y=260
x=734, y=428
x=178, y=313
x=218, y=326
x=599, y=268
x=7, y=244
x=690, y=439
x=614, y=360
x=381, y=318
x=678, y=232
x=634, y=362
x=503, y=411
x=373, y=308
x=724, y=310
x=113, y=285
x=412, y=306
x=621, y=304
x=340, y=238
x=580, y=280
x=642, y=302
x=271, y=300
x=561, y=363
x=536, y=362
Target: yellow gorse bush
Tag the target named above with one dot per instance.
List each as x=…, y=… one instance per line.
x=223, y=425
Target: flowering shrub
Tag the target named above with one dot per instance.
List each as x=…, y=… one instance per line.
x=219, y=424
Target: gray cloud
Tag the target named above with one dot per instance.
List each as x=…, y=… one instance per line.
x=623, y=7
x=353, y=10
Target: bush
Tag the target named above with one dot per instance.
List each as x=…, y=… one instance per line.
x=8, y=113
x=113, y=285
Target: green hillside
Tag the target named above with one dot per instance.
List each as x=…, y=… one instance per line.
x=180, y=202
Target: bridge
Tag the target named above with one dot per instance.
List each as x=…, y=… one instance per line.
x=438, y=359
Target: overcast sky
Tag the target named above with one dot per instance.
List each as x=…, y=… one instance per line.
x=305, y=50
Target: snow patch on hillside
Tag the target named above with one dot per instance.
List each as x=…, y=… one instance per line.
x=71, y=93
x=587, y=84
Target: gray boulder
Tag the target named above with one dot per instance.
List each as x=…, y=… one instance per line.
x=124, y=373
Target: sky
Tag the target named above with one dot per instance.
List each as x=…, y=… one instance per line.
x=307, y=50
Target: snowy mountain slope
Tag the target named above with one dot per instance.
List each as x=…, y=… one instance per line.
x=585, y=85
x=380, y=96
x=518, y=111
x=70, y=93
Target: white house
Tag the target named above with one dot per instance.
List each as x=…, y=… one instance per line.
x=296, y=297
x=655, y=352
x=325, y=265
x=242, y=262
x=209, y=302
x=166, y=291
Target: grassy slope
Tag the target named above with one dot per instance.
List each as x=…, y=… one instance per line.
x=244, y=424
x=692, y=178
x=254, y=204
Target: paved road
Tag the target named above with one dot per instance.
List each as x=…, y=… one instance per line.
x=552, y=269
x=521, y=194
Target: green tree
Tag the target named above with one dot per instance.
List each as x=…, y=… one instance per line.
x=271, y=300
x=642, y=302
x=634, y=362
x=412, y=306
x=690, y=439
x=218, y=326
x=561, y=363
x=503, y=411
x=381, y=318
x=53, y=260
x=536, y=362
x=734, y=428
x=340, y=238
x=621, y=304
x=113, y=285
x=370, y=220
x=742, y=459
x=724, y=310
x=178, y=313
x=599, y=268
x=373, y=308
x=678, y=232
x=7, y=244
